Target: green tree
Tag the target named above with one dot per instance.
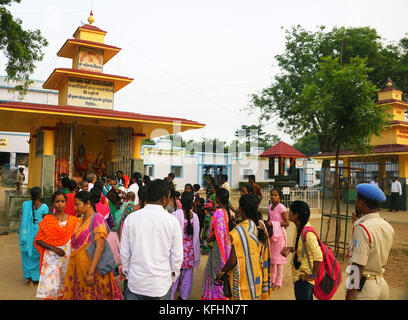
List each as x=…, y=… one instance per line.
x=299, y=64
x=22, y=48
x=341, y=99
x=255, y=135
x=308, y=145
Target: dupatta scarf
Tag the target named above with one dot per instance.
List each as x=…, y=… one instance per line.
x=219, y=225
x=53, y=234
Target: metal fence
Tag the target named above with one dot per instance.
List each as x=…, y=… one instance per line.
x=312, y=196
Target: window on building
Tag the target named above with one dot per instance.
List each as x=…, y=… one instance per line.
x=149, y=170
x=247, y=172
x=266, y=174
x=177, y=170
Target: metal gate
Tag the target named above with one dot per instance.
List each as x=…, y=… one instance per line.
x=123, y=140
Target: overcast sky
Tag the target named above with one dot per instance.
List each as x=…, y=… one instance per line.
x=198, y=59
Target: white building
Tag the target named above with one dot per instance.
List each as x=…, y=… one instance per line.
x=162, y=158
x=14, y=147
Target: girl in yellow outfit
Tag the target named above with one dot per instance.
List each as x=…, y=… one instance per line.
x=249, y=260
x=303, y=277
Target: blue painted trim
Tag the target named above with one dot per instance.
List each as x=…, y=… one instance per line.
x=31, y=89
x=15, y=134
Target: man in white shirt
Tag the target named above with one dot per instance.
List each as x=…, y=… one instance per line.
x=396, y=193
x=224, y=183
x=134, y=187
x=375, y=181
x=151, y=248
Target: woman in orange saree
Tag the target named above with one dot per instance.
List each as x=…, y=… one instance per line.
x=83, y=281
x=53, y=242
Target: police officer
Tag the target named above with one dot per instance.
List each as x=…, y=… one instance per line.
x=369, y=247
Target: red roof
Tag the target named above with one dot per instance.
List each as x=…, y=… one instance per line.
x=391, y=101
x=69, y=110
x=386, y=148
x=282, y=149
x=89, y=27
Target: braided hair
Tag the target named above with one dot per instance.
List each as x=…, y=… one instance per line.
x=302, y=209
x=249, y=204
x=35, y=194
x=187, y=199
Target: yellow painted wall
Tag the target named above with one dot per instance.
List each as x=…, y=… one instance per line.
x=396, y=110
x=49, y=141
x=403, y=166
x=75, y=59
x=35, y=168
x=387, y=136
x=346, y=163
x=390, y=95
x=137, y=148
x=90, y=36
x=62, y=96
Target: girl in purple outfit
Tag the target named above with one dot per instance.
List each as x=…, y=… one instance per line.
x=279, y=220
x=190, y=228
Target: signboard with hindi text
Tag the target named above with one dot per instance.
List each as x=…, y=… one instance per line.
x=90, y=93
x=90, y=59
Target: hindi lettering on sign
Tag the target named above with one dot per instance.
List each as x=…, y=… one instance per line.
x=90, y=60
x=90, y=93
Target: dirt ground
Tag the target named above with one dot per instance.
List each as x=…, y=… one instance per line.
x=13, y=287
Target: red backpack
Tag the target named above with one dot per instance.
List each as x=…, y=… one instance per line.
x=329, y=276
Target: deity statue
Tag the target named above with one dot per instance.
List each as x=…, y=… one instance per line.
x=99, y=165
x=81, y=163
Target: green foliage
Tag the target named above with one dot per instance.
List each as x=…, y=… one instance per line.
x=255, y=135
x=22, y=48
x=341, y=99
x=308, y=145
x=305, y=105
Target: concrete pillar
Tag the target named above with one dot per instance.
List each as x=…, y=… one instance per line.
x=346, y=164
x=137, y=161
x=137, y=147
x=31, y=158
x=403, y=165
x=49, y=141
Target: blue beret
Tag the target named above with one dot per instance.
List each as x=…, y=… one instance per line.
x=371, y=191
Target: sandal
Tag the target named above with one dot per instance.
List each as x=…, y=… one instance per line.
x=31, y=284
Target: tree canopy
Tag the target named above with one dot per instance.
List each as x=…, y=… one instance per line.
x=22, y=48
x=300, y=67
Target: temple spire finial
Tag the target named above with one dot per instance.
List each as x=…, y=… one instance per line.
x=91, y=18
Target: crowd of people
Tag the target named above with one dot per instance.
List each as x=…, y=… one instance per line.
x=150, y=236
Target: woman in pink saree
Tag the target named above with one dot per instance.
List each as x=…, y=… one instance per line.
x=220, y=251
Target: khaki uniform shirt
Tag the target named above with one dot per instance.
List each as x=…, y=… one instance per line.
x=372, y=257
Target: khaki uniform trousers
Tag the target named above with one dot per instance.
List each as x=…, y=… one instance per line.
x=374, y=289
